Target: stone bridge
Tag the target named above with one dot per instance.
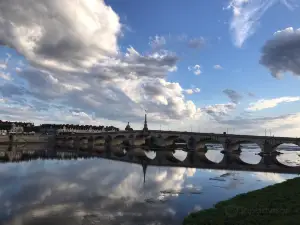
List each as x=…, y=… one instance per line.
x=169, y=139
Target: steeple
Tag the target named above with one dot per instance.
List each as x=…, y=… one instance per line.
x=145, y=123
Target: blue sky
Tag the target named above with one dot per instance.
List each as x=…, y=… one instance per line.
x=213, y=64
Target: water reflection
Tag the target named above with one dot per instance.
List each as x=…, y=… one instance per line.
x=290, y=156
x=180, y=154
x=103, y=191
x=250, y=153
x=150, y=154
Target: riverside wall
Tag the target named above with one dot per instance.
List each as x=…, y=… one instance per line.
x=19, y=138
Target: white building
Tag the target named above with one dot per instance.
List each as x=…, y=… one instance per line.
x=16, y=129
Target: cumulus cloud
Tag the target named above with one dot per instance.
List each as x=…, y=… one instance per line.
x=196, y=43
x=246, y=16
x=157, y=42
x=234, y=96
x=281, y=53
x=218, y=67
x=196, y=69
x=75, y=61
x=270, y=103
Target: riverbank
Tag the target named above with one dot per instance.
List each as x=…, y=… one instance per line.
x=21, y=138
x=273, y=205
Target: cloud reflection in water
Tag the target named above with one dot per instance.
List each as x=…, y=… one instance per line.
x=102, y=191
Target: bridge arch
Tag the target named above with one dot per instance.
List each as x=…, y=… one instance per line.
x=84, y=141
x=118, y=139
x=142, y=154
x=288, y=154
x=209, y=144
x=285, y=145
x=177, y=156
x=248, y=151
x=99, y=140
x=170, y=140
x=140, y=140
x=118, y=151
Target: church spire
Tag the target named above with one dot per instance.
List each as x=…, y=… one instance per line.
x=145, y=122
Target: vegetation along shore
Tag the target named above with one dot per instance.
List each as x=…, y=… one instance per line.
x=277, y=204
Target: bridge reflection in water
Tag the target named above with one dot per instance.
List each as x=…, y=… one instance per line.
x=170, y=157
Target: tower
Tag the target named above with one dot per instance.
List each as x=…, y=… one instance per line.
x=145, y=129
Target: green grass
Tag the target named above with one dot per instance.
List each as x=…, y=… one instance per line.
x=277, y=204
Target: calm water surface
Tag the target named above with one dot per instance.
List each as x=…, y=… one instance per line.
x=101, y=191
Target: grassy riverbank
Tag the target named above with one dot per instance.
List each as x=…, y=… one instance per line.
x=277, y=204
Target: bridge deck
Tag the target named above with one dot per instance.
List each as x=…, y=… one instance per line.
x=192, y=134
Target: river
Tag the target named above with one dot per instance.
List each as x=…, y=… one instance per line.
x=102, y=191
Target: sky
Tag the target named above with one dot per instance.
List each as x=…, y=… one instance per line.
x=213, y=66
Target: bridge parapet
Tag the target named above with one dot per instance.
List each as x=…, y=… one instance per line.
x=230, y=142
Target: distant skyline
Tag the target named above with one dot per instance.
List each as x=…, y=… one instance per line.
x=203, y=65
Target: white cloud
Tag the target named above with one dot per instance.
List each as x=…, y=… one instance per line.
x=218, y=67
x=196, y=69
x=283, y=125
x=75, y=72
x=273, y=177
x=76, y=63
x=270, y=103
x=281, y=53
x=246, y=16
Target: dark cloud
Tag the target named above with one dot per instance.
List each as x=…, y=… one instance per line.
x=234, y=96
x=219, y=111
x=281, y=53
x=250, y=94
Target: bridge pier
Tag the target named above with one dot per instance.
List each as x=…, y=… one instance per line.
x=199, y=156
x=230, y=158
x=162, y=156
x=267, y=148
